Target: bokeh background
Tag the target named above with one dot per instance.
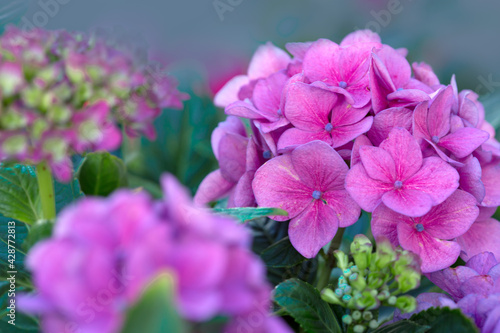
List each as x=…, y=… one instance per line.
x=206, y=42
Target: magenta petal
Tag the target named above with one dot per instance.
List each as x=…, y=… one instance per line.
x=424, y=73
x=345, y=114
x=481, y=284
x=229, y=93
x=408, y=202
x=268, y=59
x=291, y=194
x=298, y=50
x=232, y=156
x=308, y=107
x=313, y=229
x=482, y=236
x=319, y=60
x=212, y=188
x=358, y=143
x=464, y=141
x=361, y=36
x=385, y=222
x=267, y=95
x=470, y=179
x=453, y=217
x=388, y=119
x=405, y=152
x=491, y=181
x=344, y=134
x=230, y=125
x=319, y=166
x=435, y=254
x=244, y=110
x=482, y=262
x=294, y=137
x=450, y=280
x=378, y=164
x=420, y=130
x=367, y=192
x=436, y=178
x=438, y=120
x=243, y=193
x=345, y=207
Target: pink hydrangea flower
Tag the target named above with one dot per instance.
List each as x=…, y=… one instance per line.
x=397, y=175
x=85, y=278
x=429, y=236
x=309, y=185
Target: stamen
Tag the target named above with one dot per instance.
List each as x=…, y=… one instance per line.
x=328, y=127
x=419, y=227
x=343, y=84
x=267, y=154
x=435, y=139
x=398, y=184
x=316, y=195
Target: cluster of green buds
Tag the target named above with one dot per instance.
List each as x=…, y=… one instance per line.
x=373, y=279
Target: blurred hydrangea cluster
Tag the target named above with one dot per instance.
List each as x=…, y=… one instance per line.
x=104, y=252
x=65, y=93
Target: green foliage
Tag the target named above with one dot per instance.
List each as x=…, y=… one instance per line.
x=182, y=147
x=303, y=302
x=155, y=312
x=282, y=254
x=101, y=173
x=245, y=214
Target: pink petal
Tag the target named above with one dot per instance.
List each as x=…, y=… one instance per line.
x=243, y=193
x=344, y=134
x=436, y=178
x=294, y=137
x=212, y=188
x=380, y=83
x=397, y=66
x=344, y=113
x=435, y=254
x=345, y=207
x=232, y=156
x=277, y=184
x=378, y=164
x=463, y=141
x=438, y=120
x=308, y=108
x=366, y=191
x=470, y=179
x=453, y=217
x=229, y=92
x=244, y=110
x=408, y=202
x=482, y=262
x=313, y=229
x=267, y=94
x=230, y=125
x=388, y=119
x=405, y=152
x=319, y=62
x=358, y=143
x=407, y=97
x=424, y=73
x=298, y=50
x=420, y=130
x=451, y=279
x=268, y=59
x=360, y=36
x=385, y=222
x=482, y=236
x=319, y=166
x=491, y=181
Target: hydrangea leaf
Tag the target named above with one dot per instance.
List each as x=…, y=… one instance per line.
x=403, y=326
x=444, y=320
x=282, y=254
x=303, y=302
x=101, y=173
x=245, y=214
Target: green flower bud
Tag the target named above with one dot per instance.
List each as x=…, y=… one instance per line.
x=342, y=259
x=367, y=316
x=49, y=75
x=75, y=74
x=32, y=96
x=38, y=128
x=383, y=295
x=375, y=280
x=392, y=300
x=339, y=292
x=361, y=250
x=329, y=296
x=59, y=113
x=406, y=303
x=356, y=315
x=359, y=329
x=373, y=324
x=57, y=147
x=384, y=255
x=347, y=319
x=15, y=144
x=95, y=73
x=13, y=120
x=357, y=281
x=405, y=261
x=367, y=301
x=408, y=280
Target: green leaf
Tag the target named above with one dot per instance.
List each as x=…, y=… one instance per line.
x=282, y=254
x=303, y=302
x=101, y=173
x=245, y=214
x=155, y=312
x=182, y=146
x=403, y=326
x=152, y=188
x=38, y=231
x=444, y=320
x=19, y=197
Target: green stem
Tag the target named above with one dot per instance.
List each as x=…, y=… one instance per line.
x=326, y=269
x=46, y=188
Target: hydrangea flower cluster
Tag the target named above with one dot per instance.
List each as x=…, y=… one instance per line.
x=335, y=128
x=372, y=280
x=473, y=288
x=65, y=92
x=105, y=251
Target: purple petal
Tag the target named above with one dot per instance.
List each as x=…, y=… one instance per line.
x=405, y=152
x=344, y=134
x=420, y=130
x=230, y=125
x=232, y=156
x=438, y=120
x=244, y=110
x=319, y=61
x=481, y=284
x=436, y=178
x=388, y=119
x=378, y=163
x=361, y=36
x=366, y=191
x=298, y=50
x=482, y=236
x=243, y=194
x=345, y=207
x=313, y=229
x=319, y=166
x=482, y=262
x=358, y=143
x=450, y=280
x=408, y=202
x=267, y=94
x=294, y=137
x=277, y=184
x=491, y=181
x=212, y=188
x=470, y=179
x=463, y=141
x=385, y=222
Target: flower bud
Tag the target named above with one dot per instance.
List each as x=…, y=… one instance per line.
x=346, y=319
x=366, y=301
x=406, y=303
x=329, y=296
x=356, y=315
x=15, y=145
x=373, y=324
x=408, y=280
x=367, y=316
x=357, y=281
x=359, y=329
x=342, y=259
x=384, y=255
x=361, y=251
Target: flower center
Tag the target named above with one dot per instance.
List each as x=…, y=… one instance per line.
x=280, y=113
x=267, y=154
x=435, y=139
x=399, y=89
x=419, y=227
x=398, y=184
x=343, y=84
x=316, y=195
x=328, y=127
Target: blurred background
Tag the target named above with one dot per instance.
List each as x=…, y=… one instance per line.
x=206, y=42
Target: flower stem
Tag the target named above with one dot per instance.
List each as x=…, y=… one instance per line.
x=46, y=188
x=325, y=270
